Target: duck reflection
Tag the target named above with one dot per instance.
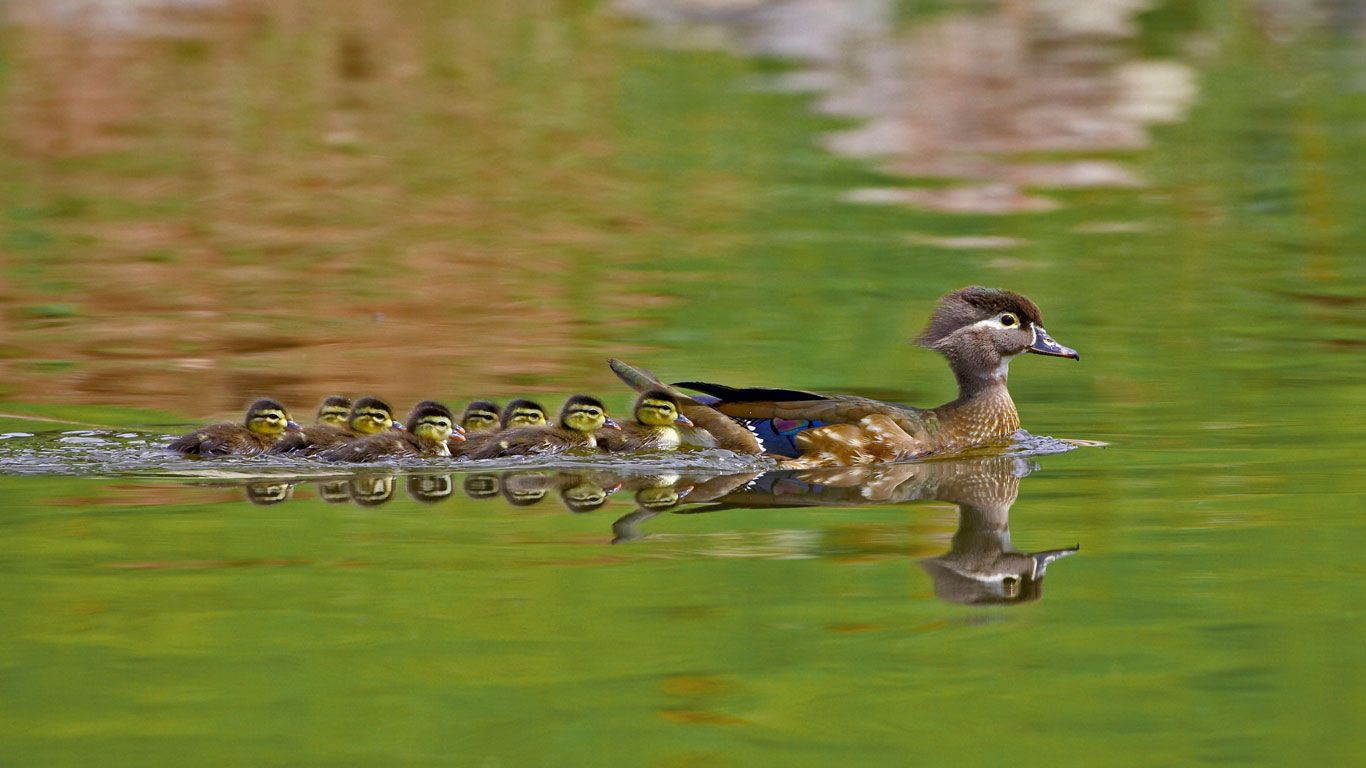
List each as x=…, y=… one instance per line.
x=429, y=489
x=265, y=494
x=982, y=565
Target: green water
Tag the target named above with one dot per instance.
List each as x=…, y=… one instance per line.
x=680, y=218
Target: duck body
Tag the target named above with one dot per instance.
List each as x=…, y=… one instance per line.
x=429, y=426
x=368, y=416
x=266, y=423
x=978, y=330
x=580, y=418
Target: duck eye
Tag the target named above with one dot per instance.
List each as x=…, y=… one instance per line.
x=1009, y=321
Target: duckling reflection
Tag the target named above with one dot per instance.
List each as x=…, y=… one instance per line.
x=579, y=491
x=523, y=489
x=371, y=491
x=334, y=491
x=482, y=487
x=981, y=567
x=429, y=489
x=266, y=494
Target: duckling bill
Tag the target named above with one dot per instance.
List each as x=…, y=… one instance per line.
x=265, y=425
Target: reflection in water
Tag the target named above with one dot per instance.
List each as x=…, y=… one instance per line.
x=982, y=565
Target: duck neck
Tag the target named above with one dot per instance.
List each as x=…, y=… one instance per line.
x=983, y=409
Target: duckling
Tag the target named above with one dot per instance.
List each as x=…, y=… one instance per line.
x=979, y=330
x=429, y=426
x=334, y=410
x=580, y=417
x=518, y=413
x=368, y=416
x=479, y=416
x=266, y=424
x=523, y=413
x=655, y=428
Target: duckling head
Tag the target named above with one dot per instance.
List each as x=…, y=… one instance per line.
x=371, y=415
x=479, y=416
x=268, y=418
x=334, y=410
x=431, y=420
x=585, y=497
x=980, y=330
x=658, y=408
x=585, y=414
x=523, y=413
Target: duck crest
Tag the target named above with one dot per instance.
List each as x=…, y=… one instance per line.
x=970, y=305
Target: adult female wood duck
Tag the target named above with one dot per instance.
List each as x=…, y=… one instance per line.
x=518, y=413
x=655, y=427
x=979, y=330
x=266, y=423
x=430, y=425
x=368, y=416
x=580, y=417
x=334, y=410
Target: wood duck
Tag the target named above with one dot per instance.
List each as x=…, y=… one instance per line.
x=580, y=417
x=265, y=425
x=430, y=425
x=368, y=416
x=655, y=427
x=334, y=410
x=518, y=413
x=979, y=330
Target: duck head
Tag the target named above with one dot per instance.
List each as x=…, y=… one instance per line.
x=479, y=416
x=980, y=330
x=334, y=410
x=523, y=413
x=268, y=418
x=432, y=420
x=658, y=408
x=371, y=415
x=585, y=414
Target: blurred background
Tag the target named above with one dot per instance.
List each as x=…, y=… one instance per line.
x=207, y=200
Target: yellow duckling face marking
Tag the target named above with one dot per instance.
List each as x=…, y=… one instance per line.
x=657, y=408
x=434, y=427
x=585, y=417
x=477, y=421
x=523, y=413
x=333, y=414
x=268, y=418
x=656, y=413
x=370, y=416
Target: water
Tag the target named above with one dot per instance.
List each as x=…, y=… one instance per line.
x=206, y=202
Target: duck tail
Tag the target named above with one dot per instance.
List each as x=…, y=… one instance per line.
x=638, y=379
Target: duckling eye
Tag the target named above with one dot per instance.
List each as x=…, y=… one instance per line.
x=1009, y=321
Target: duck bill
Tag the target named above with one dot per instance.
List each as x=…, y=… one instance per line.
x=397, y=425
x=684, y=420
x=293, y=426
x=1042, y=559
x=456, y=437
x=1045, y=345
x=608, y=423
